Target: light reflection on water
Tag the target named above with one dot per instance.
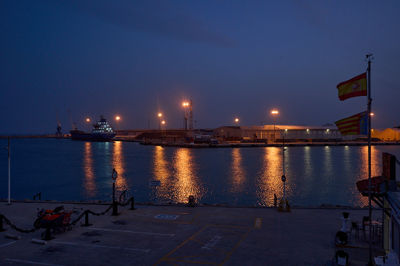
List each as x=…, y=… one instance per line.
x=185, y=182
x=269, y=178
x=118, y=163
x=90, y=184
x=322, y=172
x=237, y=171
x=161, y=173
x=240, y=176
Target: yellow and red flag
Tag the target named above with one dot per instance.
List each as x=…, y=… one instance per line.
x=354, y=87
x=353, y=125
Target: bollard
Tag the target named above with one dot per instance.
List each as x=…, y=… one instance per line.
x=114, y=208
x=86, y=219
x=47, y=234
x=191, y=202
x=132, y=203
x=1, y=224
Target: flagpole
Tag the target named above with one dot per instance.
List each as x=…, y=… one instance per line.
x=9, y=173
x=369, y=56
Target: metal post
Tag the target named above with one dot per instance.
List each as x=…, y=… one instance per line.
x=191, y=115
x=132, y=203
x=114, y=203
x=370, y=262
x=9, y=173
x=114, y=177
x=283, y=167
x=86, y=219
x=47, y=234
x=1, y=224
x=274, y=130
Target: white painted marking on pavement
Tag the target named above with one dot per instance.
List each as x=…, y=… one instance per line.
x=210, y=244
x=128, y=231
x=166, y=216
x=32, y=262
x=7, y=244
x=98, y=246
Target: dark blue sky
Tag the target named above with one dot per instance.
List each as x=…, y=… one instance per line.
x=70, y=59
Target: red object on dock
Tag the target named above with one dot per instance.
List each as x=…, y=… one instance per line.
x=376, y=182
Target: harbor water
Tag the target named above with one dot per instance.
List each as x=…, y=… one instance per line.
x=62, y=169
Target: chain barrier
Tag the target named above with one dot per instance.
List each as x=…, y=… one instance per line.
x=100, y=213
x=85, y=213
x=16, y=228
x=126, y=203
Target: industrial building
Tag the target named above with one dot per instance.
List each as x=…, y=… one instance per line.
x=278, y=133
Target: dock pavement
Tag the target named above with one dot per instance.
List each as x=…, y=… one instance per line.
x=179, y=235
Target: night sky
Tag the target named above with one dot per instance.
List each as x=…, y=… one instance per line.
x=65, y=60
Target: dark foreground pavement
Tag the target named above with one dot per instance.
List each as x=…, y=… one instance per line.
x=174, y=235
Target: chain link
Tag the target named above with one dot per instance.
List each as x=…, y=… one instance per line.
x=126, y=203
x=13, y=226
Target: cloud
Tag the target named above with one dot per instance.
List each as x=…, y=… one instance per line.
x=156, y=17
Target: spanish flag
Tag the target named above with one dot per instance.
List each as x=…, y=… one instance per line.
x=354, y=125
x=354, y=87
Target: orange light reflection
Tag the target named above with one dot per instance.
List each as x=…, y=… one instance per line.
x=161, y=172
x=118, y=164
x=269, y=182
x=90, y=184
x=238, y=173
x=363, y=171
x=186, y=183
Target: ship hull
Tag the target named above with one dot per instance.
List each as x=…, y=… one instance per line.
x=80, y=135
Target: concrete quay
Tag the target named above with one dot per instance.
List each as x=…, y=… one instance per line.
x=180, y=235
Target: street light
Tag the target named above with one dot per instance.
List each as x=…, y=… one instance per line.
x=237, y=121
x=274, y=113
x=159, y=120
x=117, y=119
x=185, y=105
x=87, y=120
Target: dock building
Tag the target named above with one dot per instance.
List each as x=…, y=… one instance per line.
x=280, y=133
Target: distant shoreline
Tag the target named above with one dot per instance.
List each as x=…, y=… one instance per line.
x=220, y=145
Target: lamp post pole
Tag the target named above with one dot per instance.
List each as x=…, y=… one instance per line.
x=9, y=173
x=114, y=203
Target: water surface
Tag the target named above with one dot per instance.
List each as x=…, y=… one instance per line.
x=76, y=170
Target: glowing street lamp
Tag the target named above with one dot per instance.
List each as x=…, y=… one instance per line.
x=274, y=113
x=163, y=122
x=236, y=121
x=159, y=115
x=185, y=105
x=117, y=119
x=371, y=114
x=87, y=120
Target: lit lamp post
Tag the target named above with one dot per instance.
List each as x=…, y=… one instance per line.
x=159, y=115
x=117, y=119
x=162, y=126
x=274, y=113
x=185, y=106
x=237, y=121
